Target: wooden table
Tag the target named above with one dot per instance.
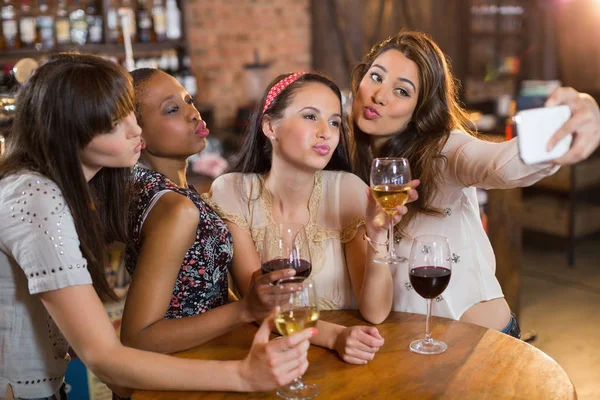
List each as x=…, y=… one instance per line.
x=479, y=364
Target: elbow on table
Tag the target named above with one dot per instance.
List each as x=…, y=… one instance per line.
x=376, y=316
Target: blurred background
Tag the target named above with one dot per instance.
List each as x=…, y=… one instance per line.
x=507, y=54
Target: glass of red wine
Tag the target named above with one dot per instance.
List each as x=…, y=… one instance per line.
x=285, y=245
x=429, y=266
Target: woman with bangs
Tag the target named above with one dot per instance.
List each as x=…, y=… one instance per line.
x=63, y=183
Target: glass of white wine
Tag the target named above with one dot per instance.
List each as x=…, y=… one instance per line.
x=297, y=299
x=389, y=184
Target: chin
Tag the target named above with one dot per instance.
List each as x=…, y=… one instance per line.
x=199, y=147
x=366, y=126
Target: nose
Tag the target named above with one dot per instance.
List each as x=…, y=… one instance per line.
x=194, y=114
x=136, y=130
x=323, y=131
x=378, y=96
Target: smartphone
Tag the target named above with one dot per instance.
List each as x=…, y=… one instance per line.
x=535, y=127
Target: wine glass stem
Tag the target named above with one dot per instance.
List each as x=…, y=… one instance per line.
x=428, y=323
x=391, y=253
x=297, y=384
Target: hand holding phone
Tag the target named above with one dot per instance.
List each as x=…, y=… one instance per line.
x=535, y=127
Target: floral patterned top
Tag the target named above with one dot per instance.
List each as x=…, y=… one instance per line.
x=202, y=281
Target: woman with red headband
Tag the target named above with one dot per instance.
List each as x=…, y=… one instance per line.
x=294, y=167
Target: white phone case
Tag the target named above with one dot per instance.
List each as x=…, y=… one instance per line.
x=535, y=127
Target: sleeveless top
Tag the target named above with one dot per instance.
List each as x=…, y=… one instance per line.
x=202, y=281
x=337, y=206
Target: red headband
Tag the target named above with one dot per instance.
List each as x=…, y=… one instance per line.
x=279, y=86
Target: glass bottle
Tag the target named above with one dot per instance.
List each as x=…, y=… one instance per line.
x=160, y=20
x=10, y=25
x=94, y=20
x=79, y=23
x=63, y=24
x=144, y=22
x=27, y=25
x=45, y=25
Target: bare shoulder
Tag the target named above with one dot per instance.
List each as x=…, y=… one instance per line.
x=227, y=181
x=173, y=209
x=352, y=195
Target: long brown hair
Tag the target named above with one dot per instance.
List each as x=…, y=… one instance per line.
x=437, y=113
x=70, y=99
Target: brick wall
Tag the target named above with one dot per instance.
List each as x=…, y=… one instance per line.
x=222, y=36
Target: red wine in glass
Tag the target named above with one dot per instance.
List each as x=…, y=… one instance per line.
x=429, y=270
x=303, y=268
x=429, y=281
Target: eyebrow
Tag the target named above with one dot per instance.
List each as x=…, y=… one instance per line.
x=319, y=112
x=399, y=78
x=171, y=97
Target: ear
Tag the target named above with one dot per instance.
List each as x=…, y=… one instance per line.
x=268, y=127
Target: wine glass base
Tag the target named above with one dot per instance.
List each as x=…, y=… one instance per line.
x=303, y=391
x=390, y=260
x=432, y=347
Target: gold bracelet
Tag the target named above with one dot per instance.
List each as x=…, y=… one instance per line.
x=372, y=243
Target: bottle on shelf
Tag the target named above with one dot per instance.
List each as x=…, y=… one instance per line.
x=160, y=20
x=115, y=33
x=187, y=77
x=45, y=25
x=126, y=10
x=62, y=23
x=173, y=63
x=10, y=25
x=94, y=20
x=27, y=25
x=79, y=23
x=173, y=20
x=144, y=22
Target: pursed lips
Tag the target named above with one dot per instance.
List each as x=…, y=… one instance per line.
x=322, y=149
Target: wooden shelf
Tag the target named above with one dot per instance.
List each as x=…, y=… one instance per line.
x=587, y=174
x=496, y=34
x=550, y=215
x=106, y=49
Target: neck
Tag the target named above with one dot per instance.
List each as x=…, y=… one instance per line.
x=89, y=172
x=291, y=189
x=172, y=168
x=376, y=143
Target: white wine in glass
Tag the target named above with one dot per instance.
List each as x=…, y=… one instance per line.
x=297, y=299
x=389, y=185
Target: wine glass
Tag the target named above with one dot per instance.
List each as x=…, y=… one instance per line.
x=297, y=300
x=285, y=245
x=389, y=184
x=430, y=266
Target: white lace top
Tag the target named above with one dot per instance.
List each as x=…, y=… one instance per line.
x=471, y=163
x=39, y=252
x=335, y=211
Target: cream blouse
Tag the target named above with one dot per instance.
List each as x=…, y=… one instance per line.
x=337, y=207
x=471, y=163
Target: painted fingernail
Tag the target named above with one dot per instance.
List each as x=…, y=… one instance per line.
x=314, y=331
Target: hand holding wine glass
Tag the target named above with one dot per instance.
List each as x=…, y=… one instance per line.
x=273, y=363
x=285, y=245
x=297, y=299
x=430, y=267
x=390, y=184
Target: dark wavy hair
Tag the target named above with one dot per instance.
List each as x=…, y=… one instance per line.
x=69, y=100
x=437, y=112
x=256, y=152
